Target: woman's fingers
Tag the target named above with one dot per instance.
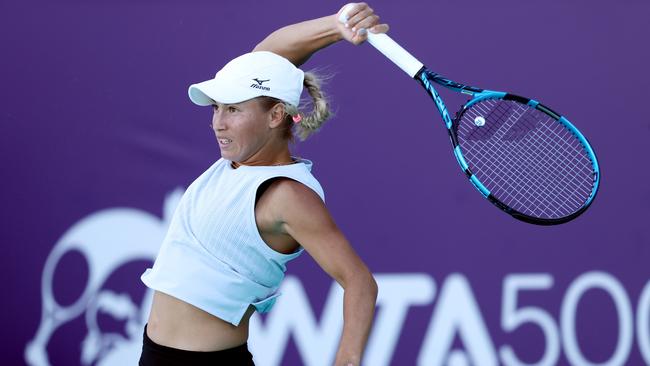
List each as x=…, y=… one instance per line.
x=361, y=18
x=380, y=28
x=360, y=15
x=367, y=22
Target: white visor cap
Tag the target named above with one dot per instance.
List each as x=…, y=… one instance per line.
x=248, y=76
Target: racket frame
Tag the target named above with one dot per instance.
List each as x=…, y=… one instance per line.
x=426, y=78
x=416, y=70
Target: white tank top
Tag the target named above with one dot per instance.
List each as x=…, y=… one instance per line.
x=213, y=256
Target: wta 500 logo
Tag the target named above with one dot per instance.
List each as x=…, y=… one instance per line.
x=455, y=333
x=458, y=317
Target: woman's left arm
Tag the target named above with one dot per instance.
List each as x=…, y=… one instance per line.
x=304, y=216
x=297, y=42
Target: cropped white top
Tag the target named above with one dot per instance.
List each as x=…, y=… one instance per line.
x=213, y=256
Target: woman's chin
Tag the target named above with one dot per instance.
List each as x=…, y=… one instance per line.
x=227, y=155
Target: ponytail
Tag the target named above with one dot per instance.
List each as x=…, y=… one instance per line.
x=298, y=122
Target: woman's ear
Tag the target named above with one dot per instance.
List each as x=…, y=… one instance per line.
x=276, y=115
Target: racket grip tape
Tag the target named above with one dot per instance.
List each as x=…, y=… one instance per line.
x=386, y=45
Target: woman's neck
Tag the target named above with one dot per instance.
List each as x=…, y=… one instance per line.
x=281, y=157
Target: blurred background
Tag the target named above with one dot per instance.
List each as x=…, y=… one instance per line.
x=98, y=140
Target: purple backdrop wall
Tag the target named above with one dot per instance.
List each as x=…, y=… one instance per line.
x=98, y=135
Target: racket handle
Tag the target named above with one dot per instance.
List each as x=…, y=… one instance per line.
x=386, y=45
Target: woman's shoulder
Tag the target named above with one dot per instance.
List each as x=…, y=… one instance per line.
x=289, y=196
x=302, y=179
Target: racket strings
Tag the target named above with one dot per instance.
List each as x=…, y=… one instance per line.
x=553, y=176
x=549, y=199
x=526, y=159
x=547, y=179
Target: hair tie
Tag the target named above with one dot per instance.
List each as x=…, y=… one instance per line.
x=297, y=118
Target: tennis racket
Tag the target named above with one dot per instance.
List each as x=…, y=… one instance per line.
x=525, y=158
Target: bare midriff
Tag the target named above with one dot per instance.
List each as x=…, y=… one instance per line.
x=177, y=324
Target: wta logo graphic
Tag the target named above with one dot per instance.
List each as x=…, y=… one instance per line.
x=107, y=240
x=110, y=240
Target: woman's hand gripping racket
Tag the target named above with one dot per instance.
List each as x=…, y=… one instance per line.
x=526, y=159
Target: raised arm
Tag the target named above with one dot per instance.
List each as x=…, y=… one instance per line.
x=297, y=42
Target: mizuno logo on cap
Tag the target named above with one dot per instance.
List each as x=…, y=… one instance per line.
x=259, y=84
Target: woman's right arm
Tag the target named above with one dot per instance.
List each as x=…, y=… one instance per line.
x=297, y=42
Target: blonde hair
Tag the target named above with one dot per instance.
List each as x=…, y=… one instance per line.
x=309, y=123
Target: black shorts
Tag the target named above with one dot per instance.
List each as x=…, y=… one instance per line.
x=154, y=354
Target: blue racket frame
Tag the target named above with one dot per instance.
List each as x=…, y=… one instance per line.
x=426, y=78
x=416, y=70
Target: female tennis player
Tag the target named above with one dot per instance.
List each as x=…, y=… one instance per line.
x=255, y=209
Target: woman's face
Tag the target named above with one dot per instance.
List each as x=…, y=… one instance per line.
x=243, y=130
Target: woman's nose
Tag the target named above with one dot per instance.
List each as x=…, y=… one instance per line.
x=218, y=122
